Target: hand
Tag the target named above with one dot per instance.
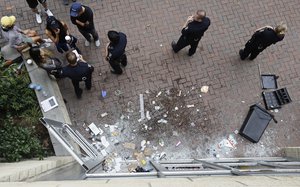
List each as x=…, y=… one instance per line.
x=190, y=19
x=86, y=23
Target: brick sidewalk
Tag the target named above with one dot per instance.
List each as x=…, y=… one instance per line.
x=234, y=85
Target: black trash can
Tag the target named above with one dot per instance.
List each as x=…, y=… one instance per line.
x=255, y=123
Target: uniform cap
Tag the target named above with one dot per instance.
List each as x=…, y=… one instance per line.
x=8, y=21
x=75, y=9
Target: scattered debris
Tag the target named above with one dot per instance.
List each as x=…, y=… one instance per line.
x=103, y=152
x=193, y=124
x=158, y=94
x=142, y=109
x=236, y=131
x=200, y=95
x=103, y=93
x=175, y=133
x=162, y=155
x=276, y=110
x=230, y=142
x=146, y=127
x=104, y=114
x=118, y=164
x=153, y=102
x=157, y=107
x=147, y=151
x=178, y=143
x=143, y=145
x=95, y=129
x=162, y=121
x=190, y=106
x=122, y=117
x=132, y=167
x=176, y=108
x=179, y=94
x=112, y=128
x=130, y=107
x=104, y=142
x=148, y=115
x=118, y=92
x=204, y=89
x=140, y=157
x=161, y=142
x=243, y=101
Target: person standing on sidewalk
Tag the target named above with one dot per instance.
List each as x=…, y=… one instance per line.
x=58, y=31
x=77, y=70
x=82, y=16
x=192, y=31
x=115, y=51
x=33, y=5
x=261, y=39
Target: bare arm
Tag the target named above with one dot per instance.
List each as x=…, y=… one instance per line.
x=54, y=39
x=66, y=27
x=189, y=20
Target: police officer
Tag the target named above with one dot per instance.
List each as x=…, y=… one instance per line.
x=77, y=70
x=261, y=39
x=115, y=51
x=192, y=31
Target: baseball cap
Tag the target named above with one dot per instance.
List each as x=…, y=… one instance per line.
x=75, y=9
x=8, y=21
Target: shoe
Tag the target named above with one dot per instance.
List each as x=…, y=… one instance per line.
x=97, y=43
x=190, y=54
x=173, y=44
x=45, y=45
x=241, y=54
x=38, y=18
x=86, y=43
x=66, y=2
x=251, y=57
x=79, y=95
x=113, y=72
x=48, y=40
x=48, y=12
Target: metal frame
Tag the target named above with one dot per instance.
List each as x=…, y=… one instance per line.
x=88, y=157
x=199, y=167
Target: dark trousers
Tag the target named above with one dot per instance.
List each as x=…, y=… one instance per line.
x=183, y=42
x=88, y=85
x=252, y=48
x=87, y=34
x=115, y=64
x=62, y=47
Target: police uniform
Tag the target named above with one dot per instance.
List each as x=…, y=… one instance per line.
x=82, y=71
x=191, y=35
x=116, y=54
x=259, y=41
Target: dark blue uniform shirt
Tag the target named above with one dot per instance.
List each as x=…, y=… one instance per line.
x=118, y=50
x=195, y=29
x=79, y=72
